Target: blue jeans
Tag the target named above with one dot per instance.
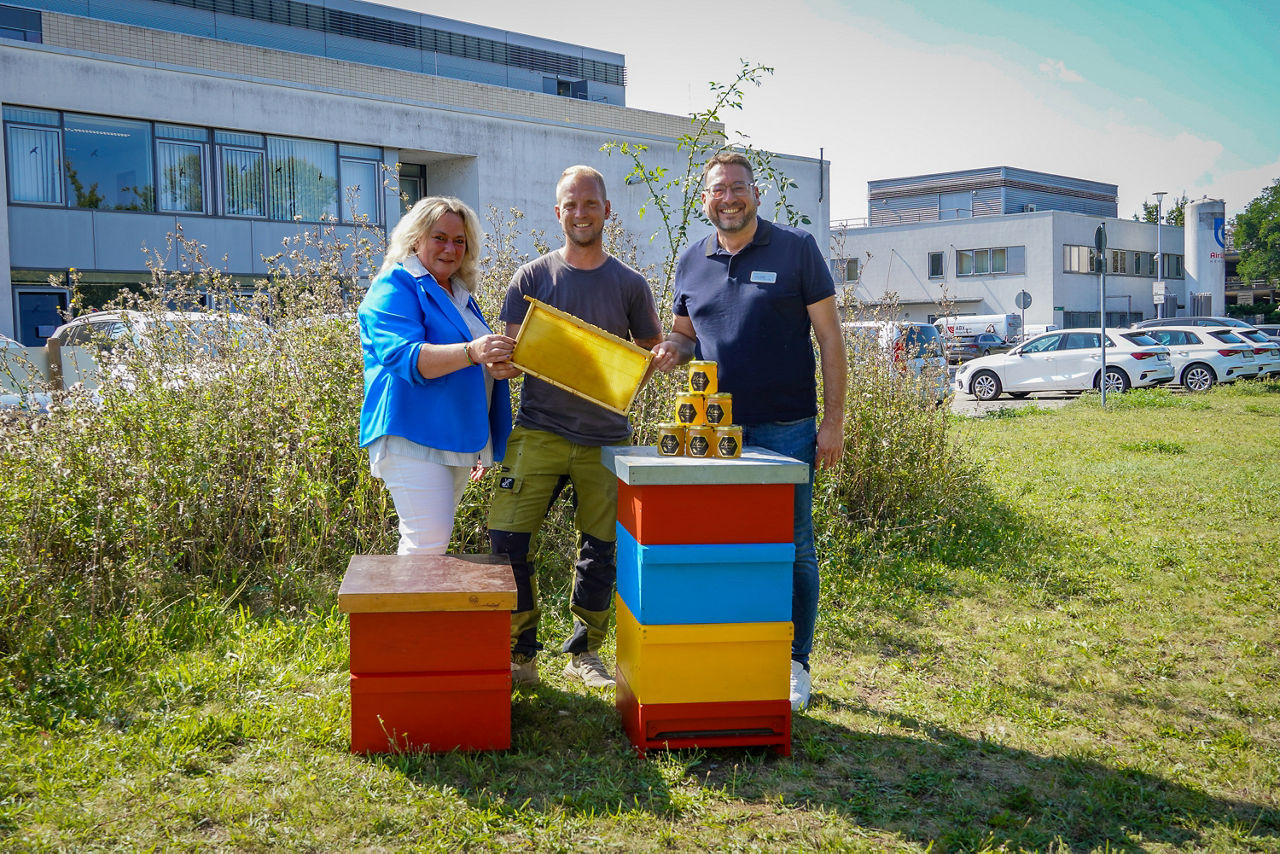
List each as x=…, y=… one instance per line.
x=797, y=439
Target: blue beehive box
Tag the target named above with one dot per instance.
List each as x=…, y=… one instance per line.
x=677, y=585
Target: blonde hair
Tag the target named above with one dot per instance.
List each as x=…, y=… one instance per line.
x=420, y=219
x=578, y=172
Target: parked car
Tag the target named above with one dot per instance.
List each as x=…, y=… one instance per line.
x=188, y=345
x=1198, y=320
x=210, y=332
x=1068, y=360
x=20, y=386
x=917, y=348
x=1271, y=331
x=964, y=347
x=1203, y=356
x=1265, y=350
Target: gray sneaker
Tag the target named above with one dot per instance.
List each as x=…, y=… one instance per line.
x=588, y=667
x=524, y=670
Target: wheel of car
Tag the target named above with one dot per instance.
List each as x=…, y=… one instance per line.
x=985, y=352
x=1117, y=381
x=1198, y=377
x=1018, y=395
x=985, y=386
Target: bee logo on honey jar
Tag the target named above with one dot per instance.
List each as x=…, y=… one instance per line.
x=702, y=377
x=700, y=439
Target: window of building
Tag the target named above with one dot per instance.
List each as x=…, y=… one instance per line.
x=999, y=260
x=1119, y=261
x=181, y=153
x=981, y=262
x=935, y=265
x=302, y=179
x=108, y=163
x=411, y=185
x=360, y=169
x=242, y=168
x=844, y=270
x=35, y=164
x=955, y=205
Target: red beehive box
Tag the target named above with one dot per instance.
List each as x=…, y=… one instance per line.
x=437, y=713
x=653, y=726
x=430, y=651
x=664, y=514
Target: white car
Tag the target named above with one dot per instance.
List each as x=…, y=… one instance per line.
x=1068, y=360
x=917, y=348
x=1265, y=350
x=1203, y=355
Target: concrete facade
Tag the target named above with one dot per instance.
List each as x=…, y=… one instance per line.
x=490, y=145
x=894, y=264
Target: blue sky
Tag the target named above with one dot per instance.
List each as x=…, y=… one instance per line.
x=1179, y=96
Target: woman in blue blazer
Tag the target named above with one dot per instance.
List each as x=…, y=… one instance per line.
x=437, y=409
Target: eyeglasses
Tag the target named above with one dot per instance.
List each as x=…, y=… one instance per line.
x=737, y=188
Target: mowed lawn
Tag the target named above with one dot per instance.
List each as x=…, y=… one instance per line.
x=1091, y=662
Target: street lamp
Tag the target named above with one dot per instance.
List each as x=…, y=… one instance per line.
x=1159, y=252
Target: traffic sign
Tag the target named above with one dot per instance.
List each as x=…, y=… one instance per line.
x=1022, y=300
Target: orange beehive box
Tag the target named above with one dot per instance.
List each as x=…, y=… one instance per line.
x=430, y=642
x=430, y=651
x=663, y=514
x=651, y=726
x=431, y=712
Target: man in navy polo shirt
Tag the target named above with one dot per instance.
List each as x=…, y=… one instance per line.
x=746, y=298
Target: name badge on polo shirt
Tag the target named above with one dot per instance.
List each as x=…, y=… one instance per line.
x=764, y=277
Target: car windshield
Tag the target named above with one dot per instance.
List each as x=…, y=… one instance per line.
x=922, y=341
x=1253, y=335
x=1227, y=337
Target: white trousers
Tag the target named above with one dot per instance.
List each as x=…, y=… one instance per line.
x=426, y=495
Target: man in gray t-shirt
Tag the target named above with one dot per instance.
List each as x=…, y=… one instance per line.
x=557, y=437
x=613, y=297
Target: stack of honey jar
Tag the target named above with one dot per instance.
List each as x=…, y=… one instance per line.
x=703, y=426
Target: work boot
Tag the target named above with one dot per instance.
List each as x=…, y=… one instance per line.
x=588, y=667
x=524, y=669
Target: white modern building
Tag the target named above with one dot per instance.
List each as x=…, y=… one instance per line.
x=247, y=121
x=969, y=242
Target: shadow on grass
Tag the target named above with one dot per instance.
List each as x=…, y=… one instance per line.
x=931, y=786
x=568, y=751
x=963, y=793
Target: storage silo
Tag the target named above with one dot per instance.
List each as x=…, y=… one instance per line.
x=1204, y=264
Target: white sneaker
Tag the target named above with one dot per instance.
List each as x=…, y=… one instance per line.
x=588, y=667
x=801, y=685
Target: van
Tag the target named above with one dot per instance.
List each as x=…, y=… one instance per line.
x=1007, y=326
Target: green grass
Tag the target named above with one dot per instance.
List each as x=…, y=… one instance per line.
x=1087, y=658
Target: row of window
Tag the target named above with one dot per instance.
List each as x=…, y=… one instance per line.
x=1000, y=260
x=1120, y=262
x=370, y=28
x=105, y=163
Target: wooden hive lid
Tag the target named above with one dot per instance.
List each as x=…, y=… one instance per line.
x=403, y=583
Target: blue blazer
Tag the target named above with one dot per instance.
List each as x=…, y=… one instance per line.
x=397, y=316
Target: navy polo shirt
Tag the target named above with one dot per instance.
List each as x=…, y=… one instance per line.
x=750, y=313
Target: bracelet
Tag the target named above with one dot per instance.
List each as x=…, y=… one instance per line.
x=466, y=351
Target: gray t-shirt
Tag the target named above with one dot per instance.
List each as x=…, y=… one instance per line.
x=614, y=297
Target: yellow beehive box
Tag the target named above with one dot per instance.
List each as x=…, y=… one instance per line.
x=709, y=663
x=580, y=358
